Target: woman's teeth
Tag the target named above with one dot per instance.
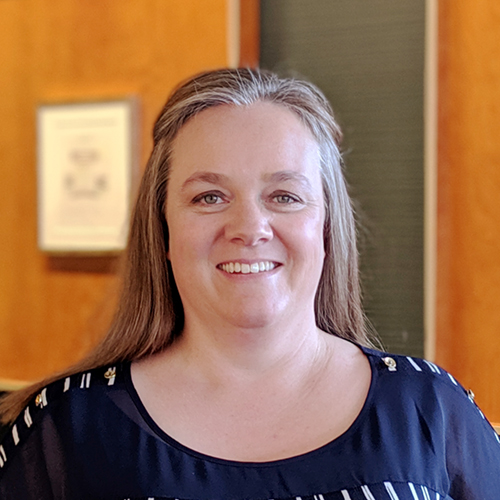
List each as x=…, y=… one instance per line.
x=256, y=267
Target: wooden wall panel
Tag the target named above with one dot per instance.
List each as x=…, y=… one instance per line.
x=53, y=309
x=468, y=266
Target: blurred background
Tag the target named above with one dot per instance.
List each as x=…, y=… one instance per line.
x=415, y=86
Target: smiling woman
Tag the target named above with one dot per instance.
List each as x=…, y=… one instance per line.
x=238, y=364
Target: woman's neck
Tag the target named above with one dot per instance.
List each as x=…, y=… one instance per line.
x=229, y=353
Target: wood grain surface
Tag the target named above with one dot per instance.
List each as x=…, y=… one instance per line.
x=468, y=265
x=54, y=309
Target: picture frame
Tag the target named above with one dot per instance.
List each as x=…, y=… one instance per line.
x=86, y=163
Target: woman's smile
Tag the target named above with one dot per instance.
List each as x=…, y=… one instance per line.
x=237, y=267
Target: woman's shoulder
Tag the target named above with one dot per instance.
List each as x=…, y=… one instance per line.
x=76, y=383
x=84, y=422
x=412, y=374
x=409, y=368
x=426, y=390
x=68, y=397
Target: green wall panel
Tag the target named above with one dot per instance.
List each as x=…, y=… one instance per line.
x=368, y=57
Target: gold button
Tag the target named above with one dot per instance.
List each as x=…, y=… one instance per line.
x=110, y=373
x=390, y=363
x=39, y=400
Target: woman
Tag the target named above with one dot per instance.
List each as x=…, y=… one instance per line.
x=237, y=365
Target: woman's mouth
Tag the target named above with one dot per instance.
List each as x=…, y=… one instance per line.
x=246, y=268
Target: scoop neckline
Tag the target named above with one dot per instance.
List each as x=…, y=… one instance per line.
x=337, y=441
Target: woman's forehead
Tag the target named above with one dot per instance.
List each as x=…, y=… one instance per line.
x=263, y=132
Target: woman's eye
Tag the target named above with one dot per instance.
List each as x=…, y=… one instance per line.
x=285, y=198
x=208, y=199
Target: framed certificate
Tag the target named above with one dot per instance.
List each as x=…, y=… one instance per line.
x=86, y=161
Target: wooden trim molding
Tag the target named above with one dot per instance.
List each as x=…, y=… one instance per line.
x=249, y=33
x=430, y=177
x=243, y=33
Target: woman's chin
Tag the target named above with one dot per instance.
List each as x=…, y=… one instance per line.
x=254, y=319
x=258, y=311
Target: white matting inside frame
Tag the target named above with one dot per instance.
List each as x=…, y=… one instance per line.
x=85, y=167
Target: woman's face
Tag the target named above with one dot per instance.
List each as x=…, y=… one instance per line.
x=245, y=214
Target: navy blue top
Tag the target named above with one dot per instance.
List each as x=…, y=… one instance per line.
x=419, y=436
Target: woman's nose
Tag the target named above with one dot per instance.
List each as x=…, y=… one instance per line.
x=248, y=223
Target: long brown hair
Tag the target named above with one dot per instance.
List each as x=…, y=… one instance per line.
x=150, y=314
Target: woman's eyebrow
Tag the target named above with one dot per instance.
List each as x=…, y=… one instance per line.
x=213, y=178
x=207, y=177
x=288, y=175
